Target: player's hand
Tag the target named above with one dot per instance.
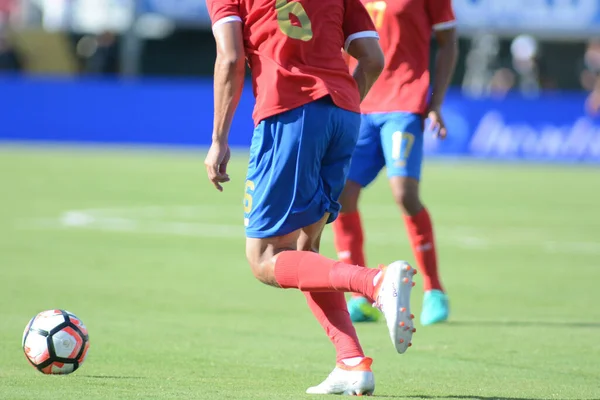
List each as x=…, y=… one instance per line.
x=436, y=123
x=216, y=164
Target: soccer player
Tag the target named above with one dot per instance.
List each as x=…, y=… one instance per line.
x=391, y=135
x=307, y=118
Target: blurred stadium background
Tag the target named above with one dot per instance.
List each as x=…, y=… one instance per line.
x=105, y=106
x=524, y=86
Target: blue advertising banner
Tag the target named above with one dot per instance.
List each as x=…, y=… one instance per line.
x=551, y=128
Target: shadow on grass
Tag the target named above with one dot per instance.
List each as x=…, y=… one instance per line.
x=110, y=377
x=467, y=397
x=569, y=324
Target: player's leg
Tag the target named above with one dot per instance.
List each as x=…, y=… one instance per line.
x=352, y=374
x=275, y=261
x=285, y=190
x=402, y=140
x=329, y=308
x=367, y=162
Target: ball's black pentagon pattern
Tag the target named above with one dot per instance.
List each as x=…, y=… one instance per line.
x=50, y=343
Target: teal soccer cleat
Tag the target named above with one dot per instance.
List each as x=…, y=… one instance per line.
x=361, y=310
x=435, y=307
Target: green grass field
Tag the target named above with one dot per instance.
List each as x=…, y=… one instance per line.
x=151, y=257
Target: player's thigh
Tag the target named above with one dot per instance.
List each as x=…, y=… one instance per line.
x=310, y=236
x=367, y=159
x=284, y=190
x=402, y=143
x=261, y=253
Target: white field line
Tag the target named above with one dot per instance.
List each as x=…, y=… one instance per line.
x=190, y=221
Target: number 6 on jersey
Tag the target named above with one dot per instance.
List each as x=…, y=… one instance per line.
x=284, y=10
x=248, y=196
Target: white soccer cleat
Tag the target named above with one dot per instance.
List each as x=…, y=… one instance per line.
x=352, y=381
x=393, y=299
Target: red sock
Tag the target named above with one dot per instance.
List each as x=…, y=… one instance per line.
x=420, y=232
x=332, y=313
x=349, y=239
x=312, y=272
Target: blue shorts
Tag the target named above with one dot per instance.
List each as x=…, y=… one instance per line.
x=299, y=161
x=393, y=140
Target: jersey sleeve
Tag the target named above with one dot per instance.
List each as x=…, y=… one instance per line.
x=223, y=11
x=357, y=22
x=441, y=14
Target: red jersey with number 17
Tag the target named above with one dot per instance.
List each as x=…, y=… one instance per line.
x=294, y=48
x=405, y=28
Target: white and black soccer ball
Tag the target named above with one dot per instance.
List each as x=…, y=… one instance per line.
x=55, y=342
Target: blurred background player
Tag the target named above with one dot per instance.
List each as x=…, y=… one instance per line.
x=307, y=119
x=391, y=135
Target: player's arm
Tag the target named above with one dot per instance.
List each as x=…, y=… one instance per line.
x=362, y=43
x=443, y=23
x=370, y=59
x=228, y=76
x=445, y=63
x=228, y=84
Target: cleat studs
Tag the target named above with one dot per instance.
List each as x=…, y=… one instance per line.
x=403, y=309
x=410, y=344
x=412, y=316
x=408, y=268
x=402, y=323
x=405, y=280
x=414, y=272
x=414, y=330
x=401, y=341
x=413, y=284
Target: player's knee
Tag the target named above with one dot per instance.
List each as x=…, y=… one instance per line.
x=261, y=262
x=261, y=268
x=406, y=195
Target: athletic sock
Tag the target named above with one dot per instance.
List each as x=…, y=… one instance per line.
x=420, y=233
x=312, y=272
x=348, y=237
x=329, y=308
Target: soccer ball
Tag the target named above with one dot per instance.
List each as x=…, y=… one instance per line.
x=55, y=342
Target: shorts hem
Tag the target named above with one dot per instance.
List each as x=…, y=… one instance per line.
x=361, y=182
x=404, y=175
x=253, y=234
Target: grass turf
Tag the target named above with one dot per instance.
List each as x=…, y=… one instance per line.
x=140, y=246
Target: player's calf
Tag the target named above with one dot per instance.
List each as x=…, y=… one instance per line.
x=406, y=194
x=261, y=255
x=420, y=231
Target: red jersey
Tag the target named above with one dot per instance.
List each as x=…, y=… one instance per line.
x=405, y=28
x=294, y=48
